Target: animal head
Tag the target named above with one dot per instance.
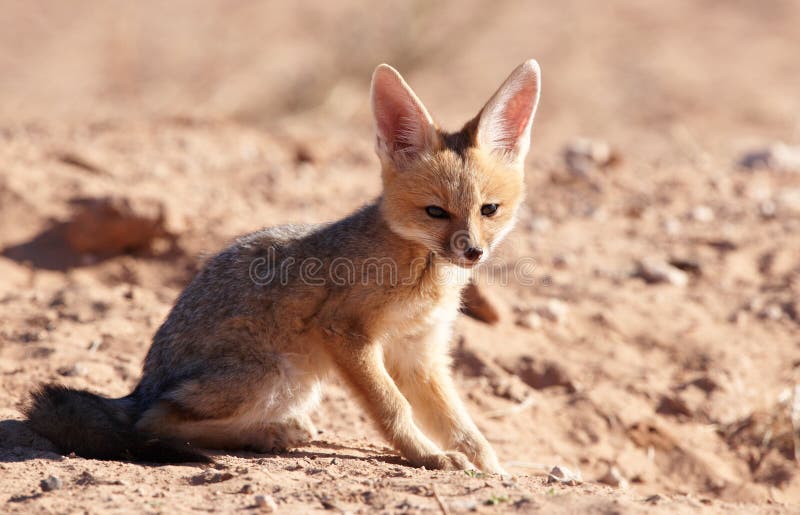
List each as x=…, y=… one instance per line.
x=455, y=193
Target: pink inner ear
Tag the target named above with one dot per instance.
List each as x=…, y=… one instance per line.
x=517, y=112
x=505, y=121
x=398, y=130
x=399, y=120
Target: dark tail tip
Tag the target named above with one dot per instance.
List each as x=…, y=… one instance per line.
x=96, y=427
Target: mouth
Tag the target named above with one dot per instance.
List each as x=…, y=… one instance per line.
x=458, y=260
x=463, y=262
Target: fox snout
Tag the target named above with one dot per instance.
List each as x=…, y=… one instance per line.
x=473, y=253
x=465, y=248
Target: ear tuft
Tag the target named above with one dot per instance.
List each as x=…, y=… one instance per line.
x=403, y=126
x=505, y=122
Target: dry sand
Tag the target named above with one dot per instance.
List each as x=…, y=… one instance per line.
x=654, y=346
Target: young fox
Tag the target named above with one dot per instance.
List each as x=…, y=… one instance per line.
x=239, y=361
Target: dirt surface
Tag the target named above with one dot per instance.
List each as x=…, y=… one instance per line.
x=650, y=338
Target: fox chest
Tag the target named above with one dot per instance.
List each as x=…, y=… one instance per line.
x=431, y=303
x=415, y=317
x=414, y=341
x=413, y=320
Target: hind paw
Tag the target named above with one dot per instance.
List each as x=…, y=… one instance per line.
x=300, y=430
x=278, y=437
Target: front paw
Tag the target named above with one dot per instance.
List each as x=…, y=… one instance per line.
x=494, y=469
x=490, y=464
x=448, y=461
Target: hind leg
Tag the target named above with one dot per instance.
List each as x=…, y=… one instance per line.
x=245, y=406
x=232, y=434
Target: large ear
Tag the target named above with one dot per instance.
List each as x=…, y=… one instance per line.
x=505, y=122
x=403, y=126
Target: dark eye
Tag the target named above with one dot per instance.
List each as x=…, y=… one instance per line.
x=489, y=209
x=436, y=212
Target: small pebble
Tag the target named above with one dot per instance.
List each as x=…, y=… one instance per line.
x=209, y=477
x=462, y=505
x=581, y=154
x=529, y=320
x=778, y=157
x=702, y=214
x=767, y=208
x=50, y=484
x=563, y=260
x=266, y=503
x=656, y=270
x=672, y=226
x=555, y=311
x=565, y=476
x=613, y=477
x=78, y=369
x=772, y=312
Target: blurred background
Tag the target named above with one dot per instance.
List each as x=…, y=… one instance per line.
x=619, y=66
x=658, y=350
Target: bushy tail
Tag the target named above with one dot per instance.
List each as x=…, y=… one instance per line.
x=92, y=426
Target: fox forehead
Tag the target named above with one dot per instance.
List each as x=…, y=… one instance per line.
x=460, y=181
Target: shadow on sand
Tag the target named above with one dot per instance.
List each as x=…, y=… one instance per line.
x=19, y=443
x=47, y=250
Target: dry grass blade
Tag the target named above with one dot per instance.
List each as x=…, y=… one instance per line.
x=513, y=410
x=439, y=500
x=795, y=419
x=540, y=469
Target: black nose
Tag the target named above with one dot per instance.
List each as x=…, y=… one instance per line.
x=473, y=253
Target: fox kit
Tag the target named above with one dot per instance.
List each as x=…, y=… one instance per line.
x=240, y=360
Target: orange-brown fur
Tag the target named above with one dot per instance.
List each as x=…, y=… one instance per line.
x=239, y=361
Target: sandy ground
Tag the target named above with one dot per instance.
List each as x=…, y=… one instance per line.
x=674, y=395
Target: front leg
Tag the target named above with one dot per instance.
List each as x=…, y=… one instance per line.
x=422, y=371
x=362, y=366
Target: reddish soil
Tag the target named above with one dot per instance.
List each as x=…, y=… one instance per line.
x=668, y=394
